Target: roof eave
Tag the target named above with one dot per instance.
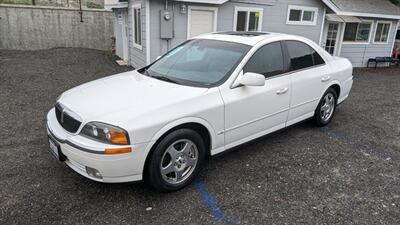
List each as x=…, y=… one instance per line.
x=344, y=13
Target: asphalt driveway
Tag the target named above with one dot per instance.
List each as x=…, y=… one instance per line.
x=346, y=173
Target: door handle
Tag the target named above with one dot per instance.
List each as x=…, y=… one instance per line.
x=282, y=91
x=325, y=79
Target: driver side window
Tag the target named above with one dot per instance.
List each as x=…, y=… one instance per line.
x=267, y=60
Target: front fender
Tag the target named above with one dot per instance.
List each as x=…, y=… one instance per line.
x=181, y=121
x=175, y=123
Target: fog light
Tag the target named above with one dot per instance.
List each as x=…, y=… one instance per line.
x=93, y=173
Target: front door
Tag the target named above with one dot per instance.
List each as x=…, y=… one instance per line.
x=331, y=38
x=201, y=20
x=253, y=111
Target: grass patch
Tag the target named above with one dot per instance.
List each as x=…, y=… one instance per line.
x=92, y=5
x=16, y=2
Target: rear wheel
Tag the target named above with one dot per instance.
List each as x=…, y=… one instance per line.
x=326, y=108
x=176, y=160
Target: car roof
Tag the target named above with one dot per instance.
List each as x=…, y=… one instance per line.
x=247, y=38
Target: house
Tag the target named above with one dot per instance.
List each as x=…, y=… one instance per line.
x=355, y=29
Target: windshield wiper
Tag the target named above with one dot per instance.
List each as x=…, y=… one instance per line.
x=164, y=79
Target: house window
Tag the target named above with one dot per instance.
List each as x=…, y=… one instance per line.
x=247, y=19
x=301, y=15
x=137, y=26
x=382, y=32
x=357, y=32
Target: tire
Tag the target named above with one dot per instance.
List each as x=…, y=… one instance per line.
x=176, y=160
x=326, y=108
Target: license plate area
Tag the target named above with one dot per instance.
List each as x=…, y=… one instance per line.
x=55, y=149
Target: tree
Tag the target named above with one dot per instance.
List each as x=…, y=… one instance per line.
x=396, y=2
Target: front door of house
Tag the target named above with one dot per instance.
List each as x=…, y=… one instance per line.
x=332, y=38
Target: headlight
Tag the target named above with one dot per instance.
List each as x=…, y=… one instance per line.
x=105, y=133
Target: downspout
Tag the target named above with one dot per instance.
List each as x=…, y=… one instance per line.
x=167, y=40
x=80, y=10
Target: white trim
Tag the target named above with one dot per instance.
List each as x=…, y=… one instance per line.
x=340, y=41
x=322, y=27
x=301, y=22
x=215, y=2
x=394, y=38
x=371, y=22
x=376, y=29
x=248, y=10
x=124, y=13
x=202, y=8
x=147, y=5
x=133, y=7
x=345, y=13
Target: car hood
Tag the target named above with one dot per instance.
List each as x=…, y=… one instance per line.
x=130, y=91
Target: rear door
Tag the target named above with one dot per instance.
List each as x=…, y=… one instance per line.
x=308, y=73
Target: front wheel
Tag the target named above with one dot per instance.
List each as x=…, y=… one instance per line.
x=326, y=108
x=176, y=160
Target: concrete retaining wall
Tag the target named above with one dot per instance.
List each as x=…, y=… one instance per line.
x=38, y=27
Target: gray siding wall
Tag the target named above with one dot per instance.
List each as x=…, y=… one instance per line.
x=137, y=57
x=160, y=46
x=274, y=20
x=359, y=54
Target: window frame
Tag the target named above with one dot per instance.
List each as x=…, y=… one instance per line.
x=376, y=29
x=284, y=59
x=248, y=10
x=134, y=23
x=287, y=57
x=371, y=22
x=302, y=9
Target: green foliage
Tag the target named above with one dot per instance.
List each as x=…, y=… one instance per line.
x=16, y=2
x=396, y=2
x=92, y=5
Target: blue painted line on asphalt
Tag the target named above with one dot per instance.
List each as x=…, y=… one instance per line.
x=209, y=200
x=365, y=146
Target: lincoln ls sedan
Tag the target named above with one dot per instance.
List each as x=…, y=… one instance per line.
x=161, y=123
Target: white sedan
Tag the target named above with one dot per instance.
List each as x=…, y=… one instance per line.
x=161, y=123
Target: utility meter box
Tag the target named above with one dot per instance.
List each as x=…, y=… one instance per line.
x=167, y=24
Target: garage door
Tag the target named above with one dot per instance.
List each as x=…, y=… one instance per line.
x=201, y=21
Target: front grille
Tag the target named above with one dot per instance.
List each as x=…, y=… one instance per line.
x=66, y=121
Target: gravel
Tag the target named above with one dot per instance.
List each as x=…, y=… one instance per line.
x=345, y=173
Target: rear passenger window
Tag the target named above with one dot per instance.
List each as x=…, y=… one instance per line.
x=317, y=58
x=268, y=60
x=302, y=56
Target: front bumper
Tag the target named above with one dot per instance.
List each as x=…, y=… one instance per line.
x=81, y=152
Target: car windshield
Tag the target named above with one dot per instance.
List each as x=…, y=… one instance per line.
x=200, y=62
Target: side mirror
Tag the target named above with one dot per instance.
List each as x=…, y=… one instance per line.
x=252, y=79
